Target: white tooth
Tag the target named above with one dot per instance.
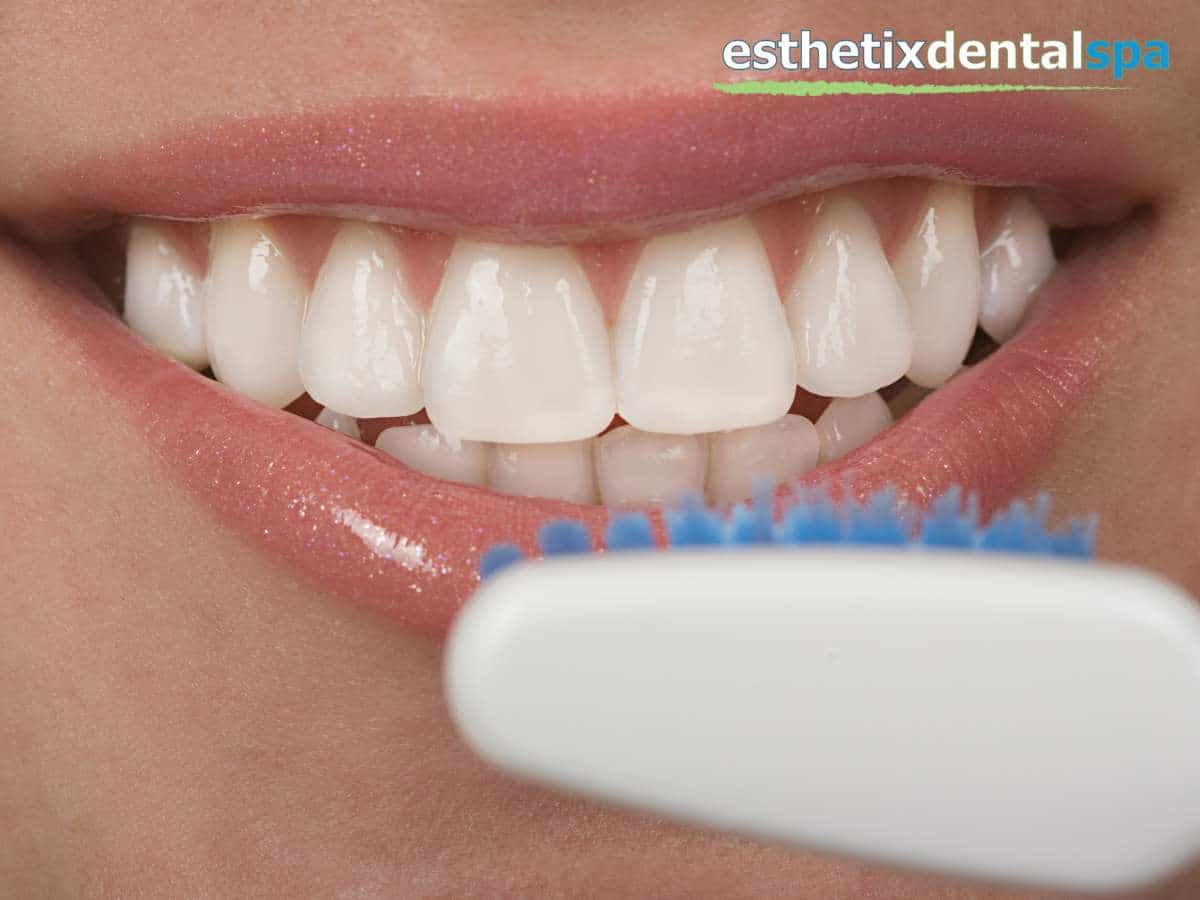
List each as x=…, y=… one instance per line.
x=1015, y=263
x=360, y=345
x=937, y=268
x=421, y=447
x=561, y=471
x=849, y=319
x=162, y=296
x=849, y=422
x=701, y=340
x=339, y=422
x=635, y=466
x=517, y=351
x=254, y=303
x=777, y=452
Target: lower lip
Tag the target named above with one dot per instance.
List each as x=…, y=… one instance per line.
x=379, y=535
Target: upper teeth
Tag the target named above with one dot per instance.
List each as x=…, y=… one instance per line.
x=516, y=348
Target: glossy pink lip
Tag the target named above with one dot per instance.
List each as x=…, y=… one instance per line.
x=582, y=168
x=386, y=537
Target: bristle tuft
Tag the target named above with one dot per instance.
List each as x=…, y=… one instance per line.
x=694, y=525
x=499, y=557
x=629, y=531
x=564, y=536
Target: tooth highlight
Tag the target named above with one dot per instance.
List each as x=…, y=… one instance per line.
x=634, y=467
x=849, y=422
x=421, y=447
x=162, y=296
x=937, y=269
x=1015, y=262
x=848, y=317
x=517, y=350
x=560, y=471
x=254, y=304
x=739, y=460
x=701, y=340
x=339, y=422
x=360, y=345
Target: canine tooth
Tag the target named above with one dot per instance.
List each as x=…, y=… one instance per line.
x=254, y=303
x=421, y=447
x=360, y=345
x=701, y=340
x=561, y=471
x=938, y=271
x=778, y=451
x=849, y=319
x=1015, y=263
x=339, y=422
x=517, y=350
x=162, y=296
x=849, y=422
x=635, y=466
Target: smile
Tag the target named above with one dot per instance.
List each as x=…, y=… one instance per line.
x=480, y=367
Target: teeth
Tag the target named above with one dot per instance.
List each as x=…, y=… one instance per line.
x=848, y=317
x=701, y=341
x=254, y=303
x=634, y=467
x=360, y=345
x=339, y=422
x=162, y=299
x=850, y=422
x=421, y=447
x=776, y=452
x=517, y=352
x=938, y=271
x=1015, y=262
x=560, y=471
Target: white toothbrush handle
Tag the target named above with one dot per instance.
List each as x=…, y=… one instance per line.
x=1014, y=718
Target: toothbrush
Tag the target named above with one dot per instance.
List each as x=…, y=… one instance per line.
x=924, y=691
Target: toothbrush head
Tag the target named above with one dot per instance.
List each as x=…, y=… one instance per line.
x=951, y=521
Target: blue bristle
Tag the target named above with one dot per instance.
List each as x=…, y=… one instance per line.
x=811, y=520
x=754, y=524
x=629, y=531
x=499, y=557
x=948, y=523
x=877, y=521
x=694, y=525
x=814, y=519
x=562, y=536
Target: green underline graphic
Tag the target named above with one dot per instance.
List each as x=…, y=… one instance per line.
x=829, y=88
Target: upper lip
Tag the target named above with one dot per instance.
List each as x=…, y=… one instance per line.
x=407, y=544
x=580, y=168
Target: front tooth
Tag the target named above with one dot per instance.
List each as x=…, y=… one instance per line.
x=421, y=447
x=339, y=422
x=848, y=317
x=1015, y=263
x=938, y=270
x=360, y=345
x=634, y=467
x=518, y=351
x=561, y=471
x=739, y=460
x=254, y=304
x=701, y=340
x=849, y=422
x=162, y=297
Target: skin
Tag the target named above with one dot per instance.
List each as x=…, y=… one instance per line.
x=184, y=716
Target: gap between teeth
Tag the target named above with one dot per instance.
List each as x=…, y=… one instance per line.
x=518, y=370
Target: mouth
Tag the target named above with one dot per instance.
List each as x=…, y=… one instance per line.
x=381, y=375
